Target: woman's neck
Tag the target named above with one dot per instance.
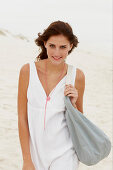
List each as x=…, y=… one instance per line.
x=54, y=68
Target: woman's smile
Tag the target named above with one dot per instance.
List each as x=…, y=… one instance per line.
x=56, y=58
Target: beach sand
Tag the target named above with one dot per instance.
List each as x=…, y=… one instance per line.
x=97, y=106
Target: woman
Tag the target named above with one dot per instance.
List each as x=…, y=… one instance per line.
x=44, y=136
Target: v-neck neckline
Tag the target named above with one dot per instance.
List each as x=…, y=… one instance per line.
x=37, y=76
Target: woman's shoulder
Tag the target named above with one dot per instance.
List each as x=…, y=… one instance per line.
x=80, y=79
x=24, y=74
x=80, y=74
x=25, y=69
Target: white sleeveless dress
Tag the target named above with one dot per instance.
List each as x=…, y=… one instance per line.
x=51, y=148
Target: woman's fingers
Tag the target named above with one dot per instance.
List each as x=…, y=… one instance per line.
x=70, y=90
x=73, y=92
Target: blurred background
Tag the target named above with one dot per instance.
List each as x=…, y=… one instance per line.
x=20, y=22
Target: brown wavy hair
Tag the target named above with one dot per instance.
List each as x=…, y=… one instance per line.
x=55, y=28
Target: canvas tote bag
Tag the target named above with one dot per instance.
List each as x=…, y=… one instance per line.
x=90, y=142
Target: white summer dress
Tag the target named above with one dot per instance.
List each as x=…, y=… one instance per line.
x=51, y=147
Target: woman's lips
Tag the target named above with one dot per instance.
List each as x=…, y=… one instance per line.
x=56, y=58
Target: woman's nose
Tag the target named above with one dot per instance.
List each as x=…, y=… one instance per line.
x=57, y=52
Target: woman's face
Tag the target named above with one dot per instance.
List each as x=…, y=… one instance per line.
x=57, y=47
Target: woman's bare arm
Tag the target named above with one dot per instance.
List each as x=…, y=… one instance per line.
x=22, y=112
x=80, y=86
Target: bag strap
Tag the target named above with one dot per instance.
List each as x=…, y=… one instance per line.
x=69, y=77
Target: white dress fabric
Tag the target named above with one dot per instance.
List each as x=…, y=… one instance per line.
x=51, y=148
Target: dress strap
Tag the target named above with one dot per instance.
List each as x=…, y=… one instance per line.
x=71, y=75
x=32, y=72
x=74, y=75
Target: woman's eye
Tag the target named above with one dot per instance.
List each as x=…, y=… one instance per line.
x=51, y=45
x=63, y=47
x=54, y=46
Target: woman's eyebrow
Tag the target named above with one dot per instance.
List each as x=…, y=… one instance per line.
x=54, y=44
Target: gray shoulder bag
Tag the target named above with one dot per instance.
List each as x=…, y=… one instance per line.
x=90, y=143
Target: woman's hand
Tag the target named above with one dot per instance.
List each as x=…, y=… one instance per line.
x=72, y=92
x=28, y=165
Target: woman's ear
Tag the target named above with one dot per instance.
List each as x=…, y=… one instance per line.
x=71, y=46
